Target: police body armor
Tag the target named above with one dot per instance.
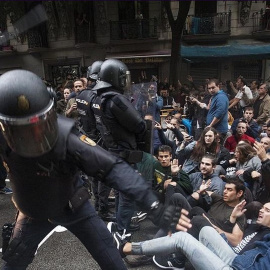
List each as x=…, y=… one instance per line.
x=95, y=108
x=122, y=124
x=86, y=118
x=48, y=180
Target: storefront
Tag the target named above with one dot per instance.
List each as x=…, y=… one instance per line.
x=144, y=67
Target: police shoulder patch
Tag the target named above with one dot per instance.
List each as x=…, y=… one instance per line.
x=87, y=140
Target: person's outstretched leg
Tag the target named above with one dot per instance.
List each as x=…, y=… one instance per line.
x=210, y=238
x=199, y=256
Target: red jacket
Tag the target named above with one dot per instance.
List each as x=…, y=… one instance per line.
x=233, y=140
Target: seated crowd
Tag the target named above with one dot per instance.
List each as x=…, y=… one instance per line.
x=220, y=177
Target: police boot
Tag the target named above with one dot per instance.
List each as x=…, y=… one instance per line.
x=106, y=215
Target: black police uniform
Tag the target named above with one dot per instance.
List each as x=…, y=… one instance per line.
x=47, y=191
x=123, y=127
x=90, y=124
x=100, y=190
x=86, y=118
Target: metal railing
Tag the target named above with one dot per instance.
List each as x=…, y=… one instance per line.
x=261, y=20
x=82, y=33
x=219, y=23
x=37, y=39
x=135, y=29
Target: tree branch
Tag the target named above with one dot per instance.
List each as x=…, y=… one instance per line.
x=167, y=5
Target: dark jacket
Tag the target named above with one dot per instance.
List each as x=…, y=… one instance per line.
x=254, y=259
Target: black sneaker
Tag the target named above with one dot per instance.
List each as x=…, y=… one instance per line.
x=140, y=216
x=137, y=260
x=120, y=241
x=6, y=190
x=168, y=263
x=112, y=227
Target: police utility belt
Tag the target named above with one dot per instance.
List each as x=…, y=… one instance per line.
x=130, y=156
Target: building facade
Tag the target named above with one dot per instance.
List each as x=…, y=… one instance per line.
x=57, y=39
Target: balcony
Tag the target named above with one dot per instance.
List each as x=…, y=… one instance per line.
x=37, y=40
x=83, y=33
x=207, y=27
x=135, y=29
x=261, y=24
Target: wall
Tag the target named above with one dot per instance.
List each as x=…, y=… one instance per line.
x=29, y=62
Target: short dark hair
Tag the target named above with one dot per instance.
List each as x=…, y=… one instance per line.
x=165, y=148
x=212, y=157
x=239, y=184
x=248, y=109
x=253, y=209
x=243, y=80
x=242, y=120
x=214, y=80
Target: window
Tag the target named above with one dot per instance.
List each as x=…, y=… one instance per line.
x=202, y=7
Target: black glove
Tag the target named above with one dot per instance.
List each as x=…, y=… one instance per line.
x=166, y=217
x=6, y=235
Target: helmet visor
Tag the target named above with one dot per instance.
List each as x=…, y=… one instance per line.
x=31, y=136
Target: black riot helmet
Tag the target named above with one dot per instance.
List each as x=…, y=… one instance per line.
x=92, y=71
x=27, y=115
x=113, y=73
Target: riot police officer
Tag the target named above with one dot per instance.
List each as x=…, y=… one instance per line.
x=92, y=73
x=44, y=154
x=123, y=128
x=90, y=123
x=83, y=100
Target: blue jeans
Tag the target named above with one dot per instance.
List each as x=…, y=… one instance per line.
x=217, y=256
x=84, y=224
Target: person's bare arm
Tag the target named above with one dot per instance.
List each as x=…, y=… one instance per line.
x=235, y=102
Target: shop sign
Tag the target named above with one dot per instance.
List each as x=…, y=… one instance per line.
x=143, y=60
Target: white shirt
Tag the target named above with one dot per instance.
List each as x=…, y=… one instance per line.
x=240, y=95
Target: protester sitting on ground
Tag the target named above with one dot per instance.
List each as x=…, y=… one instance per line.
x=245, y=157
x=169, y=133
x=211, y=252
x=256, y=226
x=232, y=141
x=253, y=129
x=263, y=193
x=165, y=141
x=218, y=216
x=190, y=154
x=168, y=177
x=263, y=131
x=207, y=167
x=266, y=143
